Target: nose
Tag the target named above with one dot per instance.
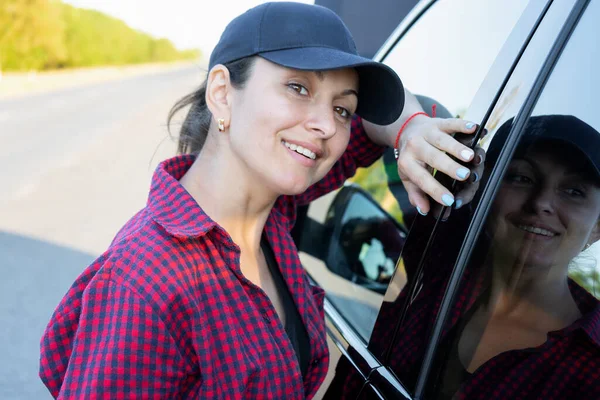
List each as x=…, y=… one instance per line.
x=542, y=201
x=321, y=121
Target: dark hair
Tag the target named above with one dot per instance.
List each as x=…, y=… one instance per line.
x=194, y=129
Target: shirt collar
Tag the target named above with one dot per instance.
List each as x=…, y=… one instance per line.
x=171, y=206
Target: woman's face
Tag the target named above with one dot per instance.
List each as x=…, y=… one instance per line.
x=288, y=127
x=547, y=208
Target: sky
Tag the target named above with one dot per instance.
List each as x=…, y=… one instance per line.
x=187, y=23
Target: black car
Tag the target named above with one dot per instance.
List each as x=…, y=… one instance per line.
x=393, y=278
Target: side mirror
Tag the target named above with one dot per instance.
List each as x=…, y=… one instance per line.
x=365, y=241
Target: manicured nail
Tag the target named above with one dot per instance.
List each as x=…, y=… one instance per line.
x=474, y=177
x=421, y=212
x=469, y=125
x=462, y=173
x=448, y=199
x=458, y=204
x=466, y=154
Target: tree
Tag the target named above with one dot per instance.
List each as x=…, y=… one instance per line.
x=31, y=34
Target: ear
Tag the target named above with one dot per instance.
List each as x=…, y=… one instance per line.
x=595, y=235
x=218, y=93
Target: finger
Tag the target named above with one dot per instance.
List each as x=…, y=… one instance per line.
x=469, y=189
x=479, y=156
x=440, y=161
x=418, y=175
x=417, y=197
x=453, y=125
x=444, y=142
x=465, y=195
x=440, y=212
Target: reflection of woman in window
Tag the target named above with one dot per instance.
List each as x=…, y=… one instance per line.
x=546, y=212
x=519, y=327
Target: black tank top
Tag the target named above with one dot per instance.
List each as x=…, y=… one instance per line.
x=294, y=327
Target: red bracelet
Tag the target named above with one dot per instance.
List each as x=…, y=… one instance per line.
x=397, y=142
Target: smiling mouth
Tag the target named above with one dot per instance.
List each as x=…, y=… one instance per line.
x=300, y=150
x=537, y=231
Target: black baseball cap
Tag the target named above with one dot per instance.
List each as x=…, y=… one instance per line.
x=563, y=130
x=311, y=37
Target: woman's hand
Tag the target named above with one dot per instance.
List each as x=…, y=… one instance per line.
x=426, y=145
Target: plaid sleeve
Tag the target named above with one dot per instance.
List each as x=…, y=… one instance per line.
x=120, y=349
x=361, y=152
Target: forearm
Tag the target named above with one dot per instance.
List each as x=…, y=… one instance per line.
x=386, y=135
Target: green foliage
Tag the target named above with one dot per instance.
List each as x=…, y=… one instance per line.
x=375, y=181
x=31, y=33
x=47, y=34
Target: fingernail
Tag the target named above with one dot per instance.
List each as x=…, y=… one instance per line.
x=466, y=154
x=469, y=125
x=474, y=177
x=448, y=199
x=462, y=173
x=421, y=212
x=458, y=204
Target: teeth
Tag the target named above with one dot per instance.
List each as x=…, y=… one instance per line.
x=537, y=231
x=300, y=150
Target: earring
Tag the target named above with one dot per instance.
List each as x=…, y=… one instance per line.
x=221, y=123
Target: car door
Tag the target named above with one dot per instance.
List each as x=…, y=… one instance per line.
x=443, y=288
x=353, y=300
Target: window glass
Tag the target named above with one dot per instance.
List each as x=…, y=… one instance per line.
x=447, y=55
x=527, y=303
x=413, y=299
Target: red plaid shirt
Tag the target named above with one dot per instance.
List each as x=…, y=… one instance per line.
x=165, y=312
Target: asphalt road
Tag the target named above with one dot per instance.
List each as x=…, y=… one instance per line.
x=75, y=165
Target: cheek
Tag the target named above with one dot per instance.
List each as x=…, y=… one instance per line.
x=580, y=222
x=508, y=201
x=339, y=143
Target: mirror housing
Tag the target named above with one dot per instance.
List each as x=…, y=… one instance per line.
x=363, y=241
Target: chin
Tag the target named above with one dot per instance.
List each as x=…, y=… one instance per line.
x=291, y=186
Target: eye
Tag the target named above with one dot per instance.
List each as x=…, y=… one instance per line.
x=298, y=88
x=518, y=178
x=574, y=192
x=344, y=113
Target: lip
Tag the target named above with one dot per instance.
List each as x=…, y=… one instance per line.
x=536, y=224
x=305, y=161
x=312, y=147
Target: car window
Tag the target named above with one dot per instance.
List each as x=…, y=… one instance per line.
x=428, y=258
x=356, y=279
x=532, y=282
x=529, y=281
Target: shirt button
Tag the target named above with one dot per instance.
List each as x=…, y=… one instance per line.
x=315, y=362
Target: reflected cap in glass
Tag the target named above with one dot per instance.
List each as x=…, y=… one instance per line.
x=567, y=129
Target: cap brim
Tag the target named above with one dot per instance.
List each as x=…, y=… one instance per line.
x=380, y=93
x=566, y=130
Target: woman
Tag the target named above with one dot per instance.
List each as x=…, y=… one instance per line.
x=202, y=294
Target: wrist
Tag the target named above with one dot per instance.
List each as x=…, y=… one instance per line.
x=408, y=121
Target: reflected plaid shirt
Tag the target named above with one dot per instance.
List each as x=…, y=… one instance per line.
x=566, y=366
x=165, y=312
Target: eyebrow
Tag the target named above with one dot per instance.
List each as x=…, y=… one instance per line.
x=346, y=92
x=580, y=174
